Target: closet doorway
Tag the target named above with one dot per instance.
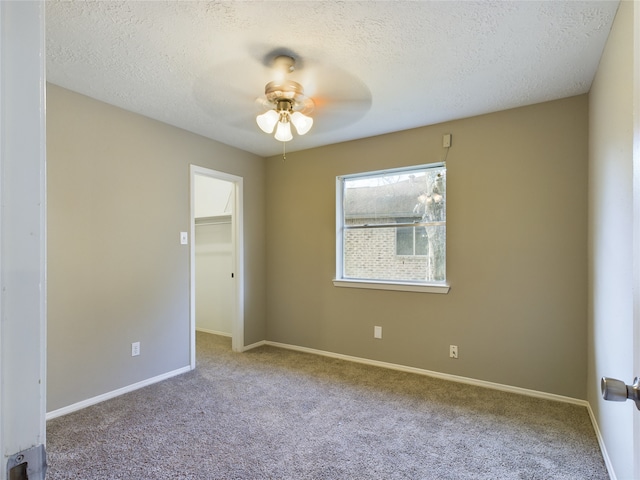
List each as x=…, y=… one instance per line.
x=216, y=258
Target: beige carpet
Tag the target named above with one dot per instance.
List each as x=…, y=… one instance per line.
x=277, y=414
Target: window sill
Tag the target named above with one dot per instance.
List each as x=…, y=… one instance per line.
x=397, y=286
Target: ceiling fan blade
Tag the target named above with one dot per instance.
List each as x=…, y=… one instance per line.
x=333, y=115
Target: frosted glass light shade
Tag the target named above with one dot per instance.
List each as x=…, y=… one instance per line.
x=267, y=121
x=283, y=132
x=301, y=122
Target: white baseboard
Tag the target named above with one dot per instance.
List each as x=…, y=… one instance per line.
x=115, y=393
x=603, y=448
x=429, y=373
x=255, y=345
x=214, y=332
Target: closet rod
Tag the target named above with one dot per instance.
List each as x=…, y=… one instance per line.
x=213, y=223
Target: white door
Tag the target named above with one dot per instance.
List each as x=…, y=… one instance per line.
x=22, y=240
x=636, y=226
x=619, y=390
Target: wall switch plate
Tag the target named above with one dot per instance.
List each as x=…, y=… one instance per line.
x=377, y=332
x=184, y=238
x=135, y=349
x=453, y=351
x=446, y=140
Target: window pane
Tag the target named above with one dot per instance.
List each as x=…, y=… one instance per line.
x=408, y=253
x=384, y=198
x=370, y=253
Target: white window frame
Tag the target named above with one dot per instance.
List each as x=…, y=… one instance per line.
x=405, y=286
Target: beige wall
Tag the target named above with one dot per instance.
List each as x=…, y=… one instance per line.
x=610, y=237
x=517, y=250
x=118, y=196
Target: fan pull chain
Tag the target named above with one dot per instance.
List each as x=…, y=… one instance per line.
x=284, y=151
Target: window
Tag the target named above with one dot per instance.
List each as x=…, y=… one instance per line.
x=391, y=229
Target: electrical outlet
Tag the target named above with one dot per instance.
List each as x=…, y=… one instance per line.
x=135, y=349
x=453, y=351
x=377, y=332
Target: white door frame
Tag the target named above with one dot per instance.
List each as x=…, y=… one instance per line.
x=22, y=238
x=237, y=259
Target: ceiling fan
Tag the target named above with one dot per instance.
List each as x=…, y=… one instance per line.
x=307, y=93
x=285, y=102
x=281, y=80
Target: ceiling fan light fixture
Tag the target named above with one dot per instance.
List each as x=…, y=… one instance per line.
x=302, y=123
x=283, y=132
x=267, y=121
x=286, y=102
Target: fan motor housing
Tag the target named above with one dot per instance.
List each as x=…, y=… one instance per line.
x=291, y=92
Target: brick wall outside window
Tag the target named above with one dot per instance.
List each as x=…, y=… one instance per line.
x=371, y=254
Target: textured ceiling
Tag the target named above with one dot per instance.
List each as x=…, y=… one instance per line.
x=372, y=67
